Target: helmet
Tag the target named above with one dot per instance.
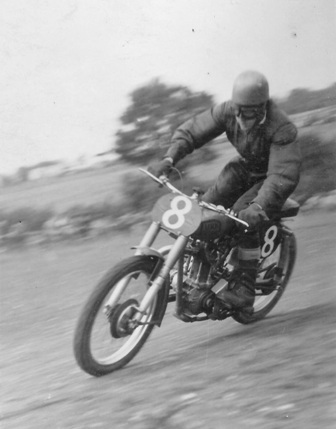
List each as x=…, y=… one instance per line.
x=250, y=89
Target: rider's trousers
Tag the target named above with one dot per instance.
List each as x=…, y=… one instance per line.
x=235, y=188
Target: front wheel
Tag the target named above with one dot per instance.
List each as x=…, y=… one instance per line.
x=108, y=333
x=284, y=259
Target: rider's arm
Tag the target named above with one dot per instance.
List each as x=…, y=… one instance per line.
x=283, y=168
x=197, y=131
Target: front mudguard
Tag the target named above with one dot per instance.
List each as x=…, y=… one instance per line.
x=147, y=251
x=165, y=249
x=163, y=294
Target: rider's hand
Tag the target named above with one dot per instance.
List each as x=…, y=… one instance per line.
x=161, y=168
x=253, y=215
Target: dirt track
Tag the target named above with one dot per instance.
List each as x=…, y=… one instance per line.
x=274, y=374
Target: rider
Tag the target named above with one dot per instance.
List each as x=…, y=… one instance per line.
x=254, y=184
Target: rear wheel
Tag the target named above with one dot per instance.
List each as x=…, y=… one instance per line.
x=283, y=261
x=107, y=335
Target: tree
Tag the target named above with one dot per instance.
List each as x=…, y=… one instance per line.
x=155, y=112
x=302, y=99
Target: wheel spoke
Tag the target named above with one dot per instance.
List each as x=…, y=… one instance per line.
x=111, y=329
x=105, y=345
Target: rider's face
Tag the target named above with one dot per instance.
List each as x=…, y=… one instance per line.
x=248, y=116
x=245, y=124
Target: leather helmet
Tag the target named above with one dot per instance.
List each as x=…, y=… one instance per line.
x=250, y=89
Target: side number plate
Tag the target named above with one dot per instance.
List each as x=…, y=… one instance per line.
x=271, y=239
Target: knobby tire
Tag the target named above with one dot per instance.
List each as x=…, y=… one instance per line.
x=82, y=337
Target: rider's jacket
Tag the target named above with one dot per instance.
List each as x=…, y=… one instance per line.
x=270, y=150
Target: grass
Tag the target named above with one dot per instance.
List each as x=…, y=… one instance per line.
x=99, y=186
x=61, y=193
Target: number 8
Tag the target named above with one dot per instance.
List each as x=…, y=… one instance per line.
x=178, y=212
x=270, y=236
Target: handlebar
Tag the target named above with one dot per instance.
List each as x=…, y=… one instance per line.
x=164, y=181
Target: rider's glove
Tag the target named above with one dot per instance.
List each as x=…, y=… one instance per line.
x=161, y=168
x=253, y=215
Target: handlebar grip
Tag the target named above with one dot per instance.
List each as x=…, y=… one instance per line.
x=199, y=191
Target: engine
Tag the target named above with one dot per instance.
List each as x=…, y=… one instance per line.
x=203, y=267
x=197, y=300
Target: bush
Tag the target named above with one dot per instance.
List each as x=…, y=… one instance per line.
x=94, y=211
x=318, y=166
x=25, y=218
x=139, y=193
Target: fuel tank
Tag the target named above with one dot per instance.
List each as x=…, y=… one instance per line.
x=213, y=225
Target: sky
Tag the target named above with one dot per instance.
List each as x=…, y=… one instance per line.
x=68, y=66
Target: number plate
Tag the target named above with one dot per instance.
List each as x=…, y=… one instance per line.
x=270, y=234
x=178, y=214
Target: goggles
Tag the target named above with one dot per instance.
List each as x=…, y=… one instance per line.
x=250, y=112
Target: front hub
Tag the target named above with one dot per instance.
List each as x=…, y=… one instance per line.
x=121, y=317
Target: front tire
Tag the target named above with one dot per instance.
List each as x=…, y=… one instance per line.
x=285, y=256
x=106, y=337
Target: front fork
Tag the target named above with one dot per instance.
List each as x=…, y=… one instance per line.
x=171, y=259
x=146, y=242
x=144, y=248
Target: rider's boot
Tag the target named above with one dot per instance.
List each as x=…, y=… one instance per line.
x=240, y=290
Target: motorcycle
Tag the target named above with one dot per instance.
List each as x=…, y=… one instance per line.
x=132, y=297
